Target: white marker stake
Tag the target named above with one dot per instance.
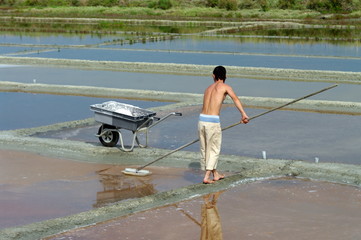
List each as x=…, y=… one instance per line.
x=264, y=155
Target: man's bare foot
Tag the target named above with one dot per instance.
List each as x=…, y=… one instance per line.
x=220, y=178
x=207, y=181
x=217, y=176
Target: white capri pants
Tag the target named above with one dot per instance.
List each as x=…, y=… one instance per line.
x=210, y=138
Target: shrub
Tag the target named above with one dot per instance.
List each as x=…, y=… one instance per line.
x=75, y=3
x=286, y=4
x=49, y=3
x=162, y=4
x=105, y=3
x=249, y=4
x=165, y=4
x=32, y=2
x=291, y=4
x=57, y=3
x=212, y=3
x=228, y=4
x=331, y=5
x=8, y=2
x=264, y=5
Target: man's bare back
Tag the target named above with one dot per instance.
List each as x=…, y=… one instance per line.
x=214, y=97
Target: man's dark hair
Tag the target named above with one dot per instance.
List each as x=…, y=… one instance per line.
x=220, y=73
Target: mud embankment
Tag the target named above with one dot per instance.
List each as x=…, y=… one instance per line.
x=182, y=99
x=194, y=70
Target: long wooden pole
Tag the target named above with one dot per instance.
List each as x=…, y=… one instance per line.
x=235, y=124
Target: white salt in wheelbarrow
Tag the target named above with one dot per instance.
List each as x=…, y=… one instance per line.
x=115, y=116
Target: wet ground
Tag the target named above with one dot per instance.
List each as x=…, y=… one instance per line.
x=270, y=209
x=267, y=209
x=37, y=188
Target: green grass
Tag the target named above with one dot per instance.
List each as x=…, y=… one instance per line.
x=356, y=14
x=88, y=12
x=173, y=13
x=109, y=19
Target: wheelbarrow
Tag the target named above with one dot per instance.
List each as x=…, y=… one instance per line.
x=115, y=116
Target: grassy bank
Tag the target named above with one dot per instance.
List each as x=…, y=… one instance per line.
x=197, y=17
x=149, y=13
x=184, y=9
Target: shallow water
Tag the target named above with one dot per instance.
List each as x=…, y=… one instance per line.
x=249, y=52
x=274, y=208
x=26, y=110
x=281, y=134
x=271, y=209
x=251, y=46
x=291, y=62
x=49, y=187
x=175, y=83
x=54, y=39
x=16, y=50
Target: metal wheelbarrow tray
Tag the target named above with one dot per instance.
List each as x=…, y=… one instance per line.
x=115, y=116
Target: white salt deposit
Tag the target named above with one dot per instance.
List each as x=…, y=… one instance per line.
x=122, y=108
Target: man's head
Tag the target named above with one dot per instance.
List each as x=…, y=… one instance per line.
x=219, y=73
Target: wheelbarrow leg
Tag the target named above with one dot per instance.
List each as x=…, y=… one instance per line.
x=146, y=138
x=122, y=142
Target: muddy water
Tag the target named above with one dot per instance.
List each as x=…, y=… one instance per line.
x=271, y=209
x=35, y=188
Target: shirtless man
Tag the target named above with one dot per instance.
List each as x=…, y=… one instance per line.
x=209, y=127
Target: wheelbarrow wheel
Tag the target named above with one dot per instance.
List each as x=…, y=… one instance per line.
x=109, y=138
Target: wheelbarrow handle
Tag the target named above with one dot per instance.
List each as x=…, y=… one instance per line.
x=158, y=120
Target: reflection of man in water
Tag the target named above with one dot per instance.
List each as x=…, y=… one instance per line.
x=211, y=228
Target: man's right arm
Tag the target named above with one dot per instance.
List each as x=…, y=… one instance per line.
x=238, y=104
